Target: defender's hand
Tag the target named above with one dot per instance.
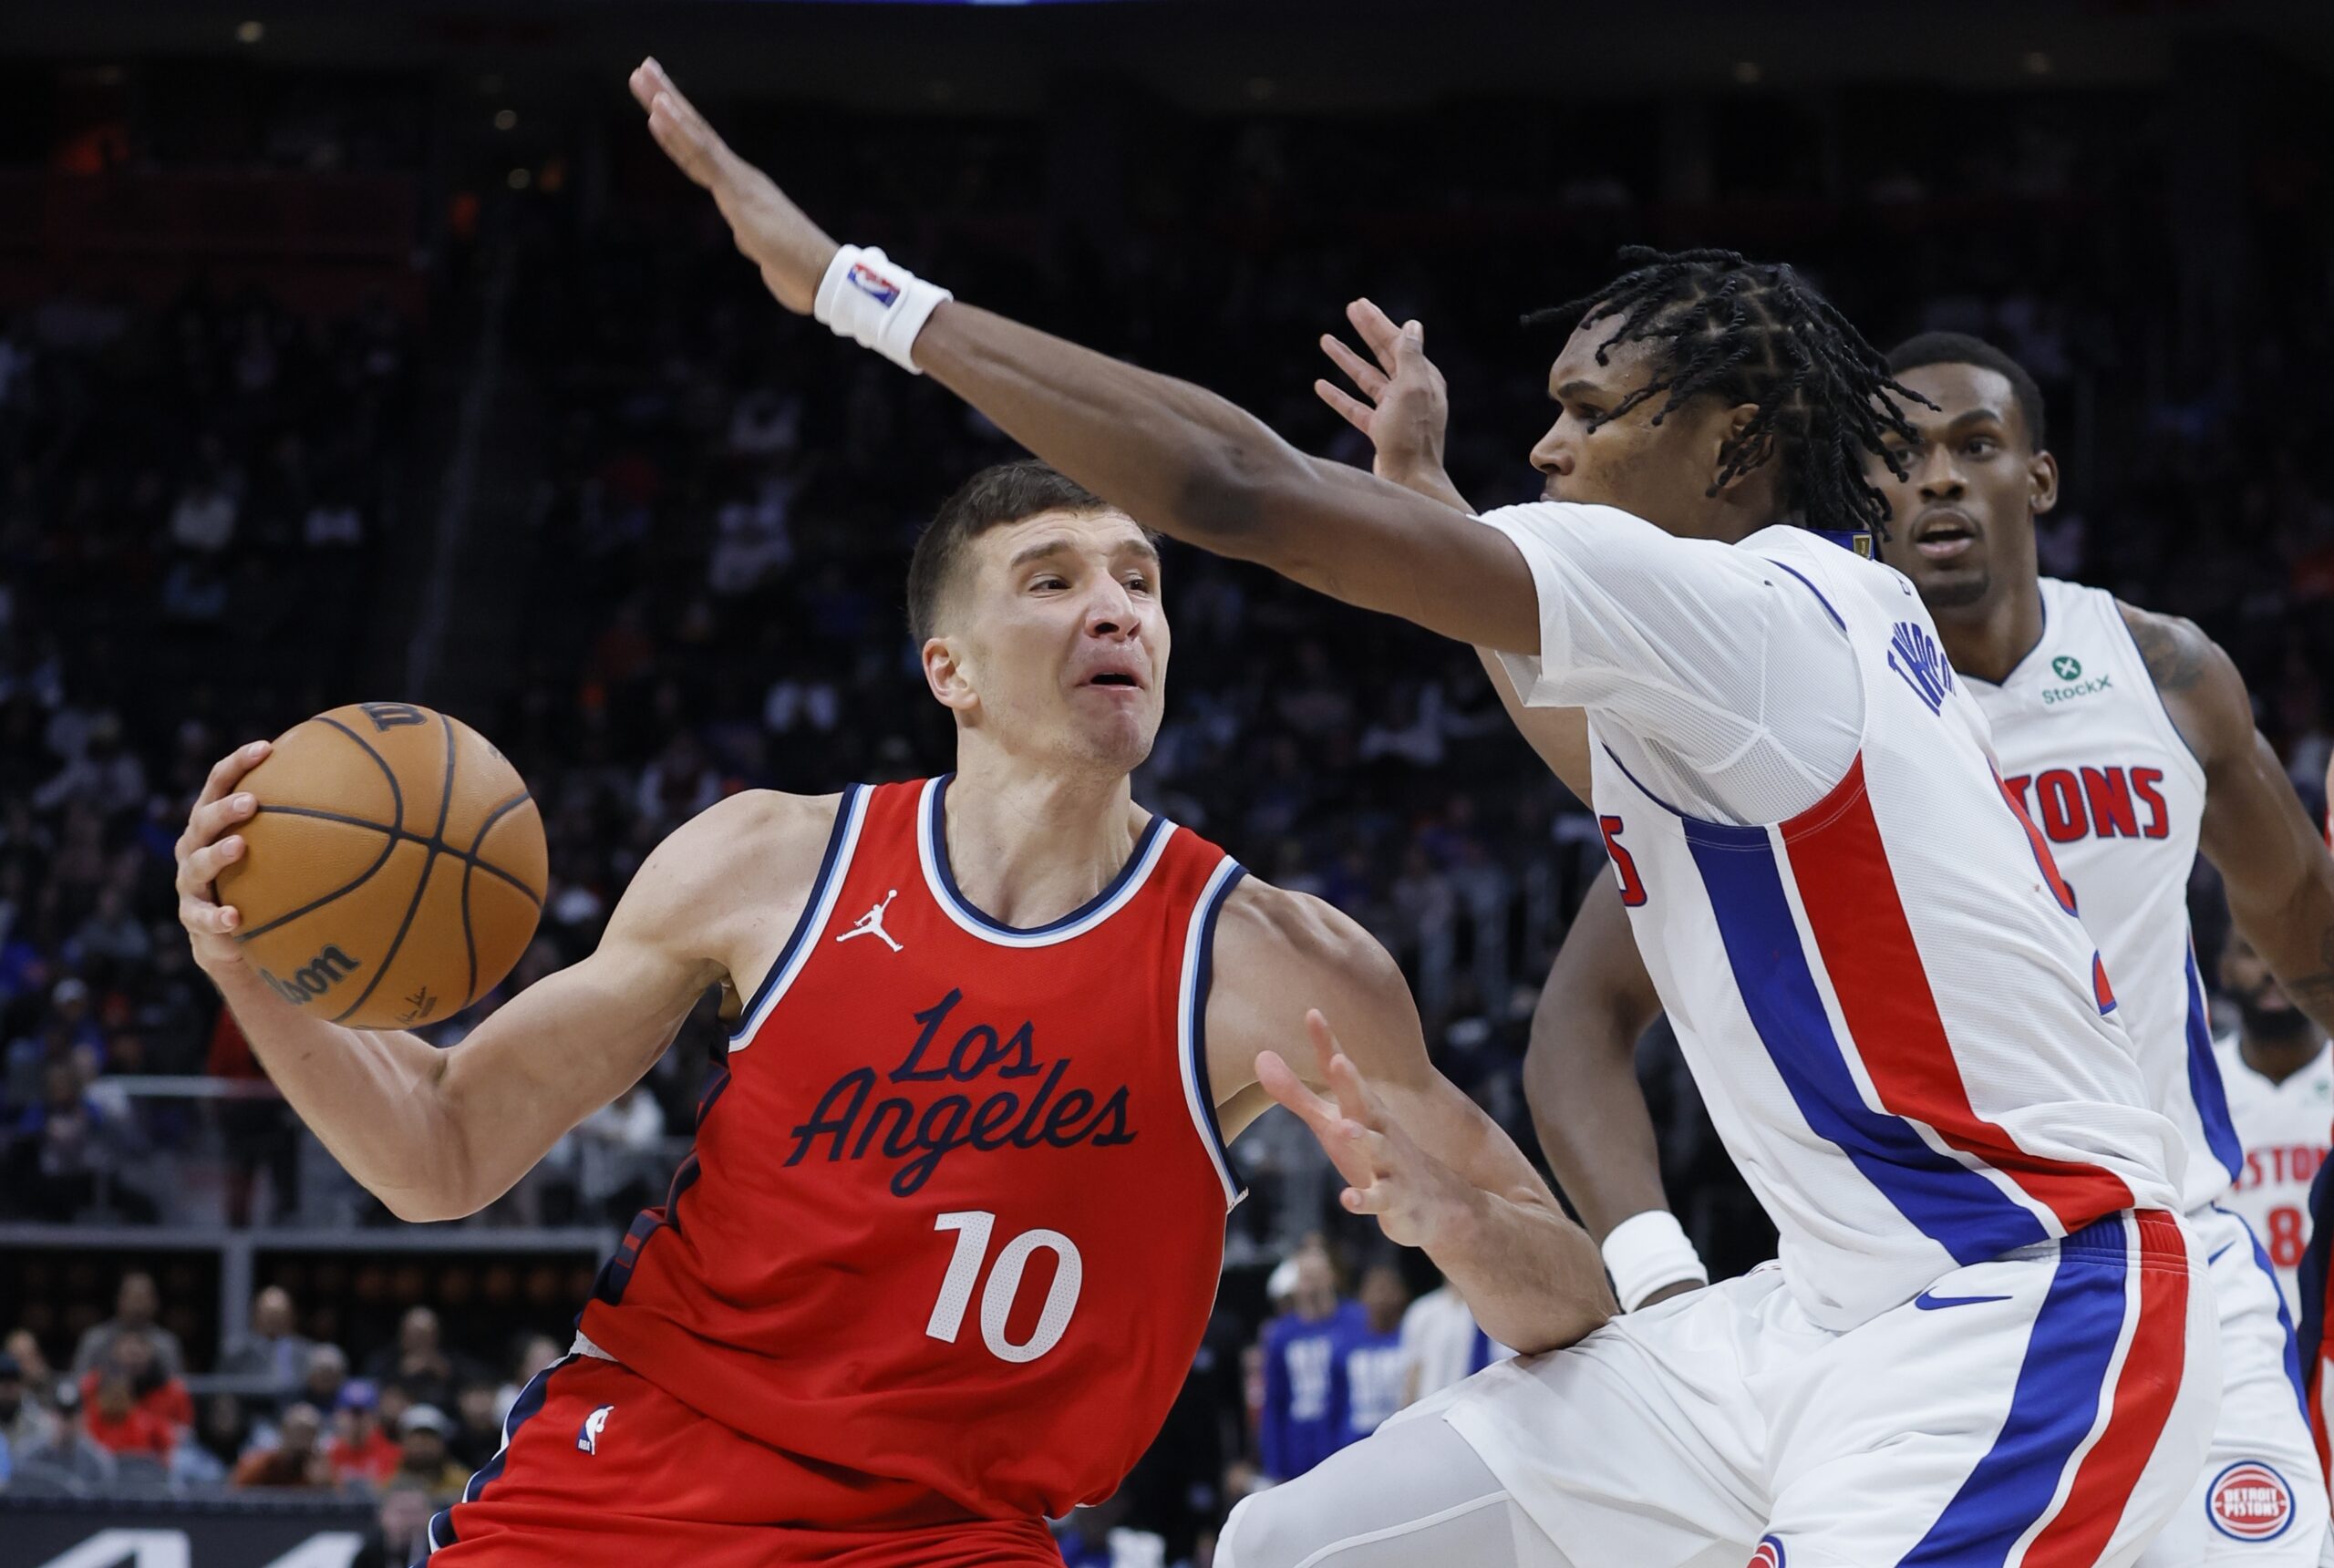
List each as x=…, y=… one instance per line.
x=209, y=844
x=1412, y=1193
x=773, y=232
x=1404, y=408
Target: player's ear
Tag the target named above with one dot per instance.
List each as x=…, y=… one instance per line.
x=1730, y=431
x=944, y=672
x=2041, y=482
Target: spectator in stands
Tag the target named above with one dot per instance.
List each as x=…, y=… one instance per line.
x=536, y=1352
x=60, y=1149
x=117, y=1422
x=418, y=1361
x=271, y=1349
x=135, y=1305
x=327, y=1369
x=423, y=1433
x=1368, y=1373
x=25, y=1425
x=360, y=1450
x=296, y=1457
x=1298, y=1428
x=401, y=1533
x=223, y=1429
x=478, y=1434
x=134, y=1356
x=23, y=1349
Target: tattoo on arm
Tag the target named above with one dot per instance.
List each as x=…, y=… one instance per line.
x=2173, y=650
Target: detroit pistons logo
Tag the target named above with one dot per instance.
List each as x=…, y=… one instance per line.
x=1769, y=1555
x=2250, y=1501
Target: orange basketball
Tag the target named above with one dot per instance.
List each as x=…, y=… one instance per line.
x=395, y=868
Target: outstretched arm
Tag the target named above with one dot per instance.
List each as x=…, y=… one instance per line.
x=1580, y=1077
x=1404, y=408
x=1175, y=457
x=437, y=1134
x=1416, y=1152
x=2279, y=877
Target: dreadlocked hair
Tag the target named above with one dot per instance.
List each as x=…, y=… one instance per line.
x=1758, y=332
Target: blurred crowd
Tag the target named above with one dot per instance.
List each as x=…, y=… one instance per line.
x=724, y=506
x=406, y=1422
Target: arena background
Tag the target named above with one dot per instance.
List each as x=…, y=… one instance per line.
x=352, y=354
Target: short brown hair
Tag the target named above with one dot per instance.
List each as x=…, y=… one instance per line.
x=997, y=495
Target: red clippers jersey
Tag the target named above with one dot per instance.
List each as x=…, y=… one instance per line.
x=956, y=1212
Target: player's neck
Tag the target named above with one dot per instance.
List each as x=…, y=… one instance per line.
x=1027, y=844
x=2278, y=1056
x=1987, y=640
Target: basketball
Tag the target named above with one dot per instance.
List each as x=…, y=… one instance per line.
x=394, y=868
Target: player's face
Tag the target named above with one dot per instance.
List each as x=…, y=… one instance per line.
x=1063, y=643
x=1961, y=521
x=1659, y=472
x=2267, y=1009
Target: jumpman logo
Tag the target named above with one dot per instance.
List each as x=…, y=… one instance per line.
x=872, y=923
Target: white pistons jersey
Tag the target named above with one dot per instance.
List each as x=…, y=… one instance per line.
x=2283, y=1129
x=1904, y=1033
x=2086, y=746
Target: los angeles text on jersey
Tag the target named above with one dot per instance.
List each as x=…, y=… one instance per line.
x=2110, y=802
x=1034, y=1110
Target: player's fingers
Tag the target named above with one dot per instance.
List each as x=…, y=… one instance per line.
x=225, y=772
x=1280, y=1081
x=1340, y=1075
x=1359, y=371
x=200, y=868
x=680, y=143
x=1376, y=1198
x=205, y=918
x=1354, y=411
x=208, y=821
x=1377, y=330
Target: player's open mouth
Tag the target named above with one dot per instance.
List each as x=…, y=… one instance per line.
x=1115, y=679
x=1941, y=536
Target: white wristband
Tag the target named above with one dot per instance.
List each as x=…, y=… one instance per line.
x=876, y=302
x=1648, y=1252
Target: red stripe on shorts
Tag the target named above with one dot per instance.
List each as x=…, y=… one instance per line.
x=2145, y=1391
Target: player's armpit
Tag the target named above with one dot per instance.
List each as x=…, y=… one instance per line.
x=702, y=903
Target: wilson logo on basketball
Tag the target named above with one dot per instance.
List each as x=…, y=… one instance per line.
x=1769, y=1555
x=315, y=977
x=2250, y=1501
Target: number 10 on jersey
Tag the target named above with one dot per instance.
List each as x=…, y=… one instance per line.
x=973, y=1228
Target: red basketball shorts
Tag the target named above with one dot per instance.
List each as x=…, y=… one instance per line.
x=601, y=1470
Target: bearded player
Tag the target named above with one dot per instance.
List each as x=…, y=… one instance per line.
x=952, y=1227
x=2128, y=736
x=1896, y=1017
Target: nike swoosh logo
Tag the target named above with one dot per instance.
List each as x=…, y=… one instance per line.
x=1928, y=1302
x=2219, y=1255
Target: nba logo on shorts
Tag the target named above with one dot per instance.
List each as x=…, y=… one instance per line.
x=873, y=283
x=588, y=1438
x=2250, y=1501
x=1769, y=1555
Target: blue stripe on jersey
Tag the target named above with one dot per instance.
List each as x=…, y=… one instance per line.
x=2051, y=1410
x=1953, y=1205
x=2285, y=1320
x=2204, y=1079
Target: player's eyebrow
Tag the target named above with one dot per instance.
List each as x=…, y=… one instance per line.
x=1573, y=391
x=1046, y=547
